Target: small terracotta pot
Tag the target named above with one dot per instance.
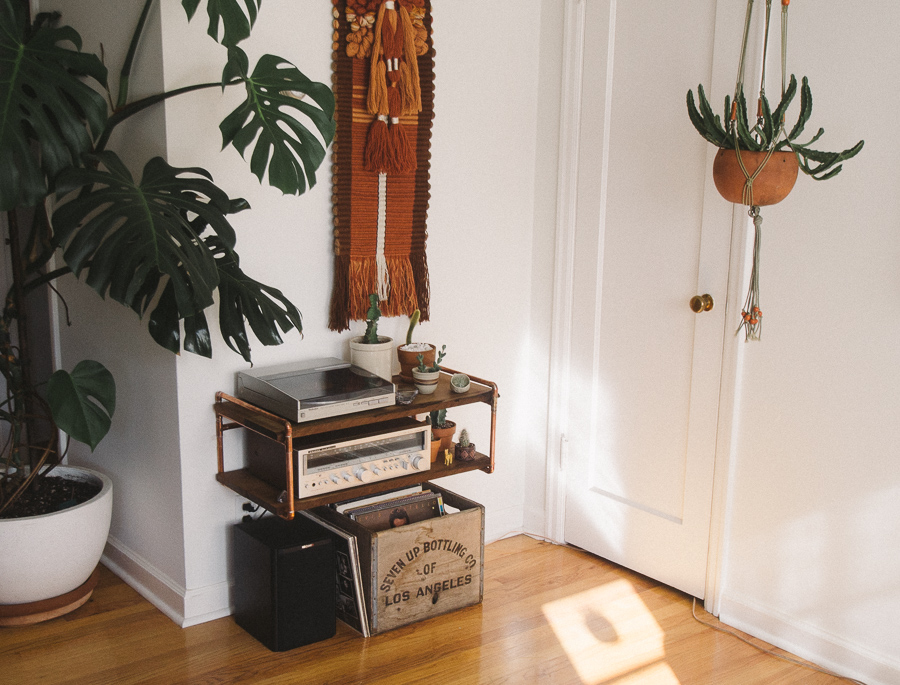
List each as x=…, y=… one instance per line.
x=445, y=434
x=771, y=186
x=435, y=450
x=409, y=360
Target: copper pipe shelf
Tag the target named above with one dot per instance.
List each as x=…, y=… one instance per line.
x=234, y=413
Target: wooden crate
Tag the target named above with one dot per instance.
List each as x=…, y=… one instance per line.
x=423, y=569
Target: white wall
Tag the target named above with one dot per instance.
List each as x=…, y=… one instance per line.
x=812, y=558
x=171, y=529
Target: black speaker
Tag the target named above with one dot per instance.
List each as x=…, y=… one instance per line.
x=284, y=592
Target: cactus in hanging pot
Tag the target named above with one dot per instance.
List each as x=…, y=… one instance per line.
x=757, y=163
x=744, y=147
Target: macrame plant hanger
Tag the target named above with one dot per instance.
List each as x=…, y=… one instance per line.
x=751, y=314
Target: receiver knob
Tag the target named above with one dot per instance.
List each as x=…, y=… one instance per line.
x=376, y=470
x=345, y=476
x=363, y=474
x=415, y=461
x=335, y=479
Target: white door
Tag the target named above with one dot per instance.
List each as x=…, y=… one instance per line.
x=649, y=235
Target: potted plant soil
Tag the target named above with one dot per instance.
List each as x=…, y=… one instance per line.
x=373, y=352
x=408, y=353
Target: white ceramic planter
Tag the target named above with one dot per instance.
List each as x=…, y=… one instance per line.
x=377, y=358
x=47, y=556
x=426, y=381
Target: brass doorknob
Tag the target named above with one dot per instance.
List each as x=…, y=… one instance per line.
x=701, y=303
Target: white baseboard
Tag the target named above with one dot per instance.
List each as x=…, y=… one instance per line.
x=810, y=643
x=184, y=607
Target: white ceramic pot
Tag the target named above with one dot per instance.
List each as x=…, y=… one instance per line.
x=52, y=554
x=426, y=381
x=377, y=358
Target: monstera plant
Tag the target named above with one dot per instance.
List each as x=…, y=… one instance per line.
x=159, y=243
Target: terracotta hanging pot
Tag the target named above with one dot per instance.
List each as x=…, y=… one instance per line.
x=771, y=186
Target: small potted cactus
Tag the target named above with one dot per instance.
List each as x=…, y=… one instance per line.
x=465, y=449
x=442, y=428
x=426, y=377
x=407, y=354
x=371, y=351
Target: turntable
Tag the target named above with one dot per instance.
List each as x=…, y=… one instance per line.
x=316, y=389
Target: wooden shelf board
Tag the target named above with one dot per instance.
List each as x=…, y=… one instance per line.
x=265, y=495
x=274, y=428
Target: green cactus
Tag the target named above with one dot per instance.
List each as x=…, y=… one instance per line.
x=464, y=438
x=372, y=316
x=769, y=129
x=438, y=418
x=413, y=320
x=434, y=367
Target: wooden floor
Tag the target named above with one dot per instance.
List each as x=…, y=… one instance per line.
x=551, y=614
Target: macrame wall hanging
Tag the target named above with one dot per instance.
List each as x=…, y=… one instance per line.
x=757, y=164
x=383, y=63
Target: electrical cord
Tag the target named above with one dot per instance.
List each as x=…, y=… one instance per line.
x=770, y=652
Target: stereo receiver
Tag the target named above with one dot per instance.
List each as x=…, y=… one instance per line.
x=343, y=459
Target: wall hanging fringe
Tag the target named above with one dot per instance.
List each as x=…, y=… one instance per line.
x=383, y=82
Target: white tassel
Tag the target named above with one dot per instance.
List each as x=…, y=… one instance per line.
x=384, y=281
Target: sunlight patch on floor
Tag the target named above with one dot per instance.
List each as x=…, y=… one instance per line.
x=610, y=636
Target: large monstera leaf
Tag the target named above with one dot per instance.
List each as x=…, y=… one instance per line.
x=166, y=243
x=42, y=99
x=284, y=147
x=83, y=402
x=129, y=235
x=241, y=297
x=236, y=22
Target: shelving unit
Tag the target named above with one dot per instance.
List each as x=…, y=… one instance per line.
x=232, y=412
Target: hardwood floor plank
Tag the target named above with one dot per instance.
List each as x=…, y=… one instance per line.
x=551, y=614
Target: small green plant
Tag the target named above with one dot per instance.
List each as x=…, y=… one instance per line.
x=372, y=316
x=438, y=418
x=460, y=380
x=464, y=438
x=421, y=368
x=413, y=320
x=769, y=131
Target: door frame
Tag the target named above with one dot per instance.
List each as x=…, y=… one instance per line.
x=563, y=297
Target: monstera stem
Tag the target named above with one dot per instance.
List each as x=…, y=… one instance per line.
x=125, y=73
x=17, y=360
x=140, y=105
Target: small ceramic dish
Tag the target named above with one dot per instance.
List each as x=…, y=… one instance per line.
x=406, y=396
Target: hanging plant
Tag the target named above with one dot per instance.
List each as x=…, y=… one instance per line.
x=758, y=164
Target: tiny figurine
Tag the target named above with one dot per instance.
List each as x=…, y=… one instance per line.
x=448, y=457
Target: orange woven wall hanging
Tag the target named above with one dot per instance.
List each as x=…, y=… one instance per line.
x=383, y=63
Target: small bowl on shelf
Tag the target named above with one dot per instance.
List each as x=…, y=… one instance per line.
x=406, y=396
x=459, y=382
